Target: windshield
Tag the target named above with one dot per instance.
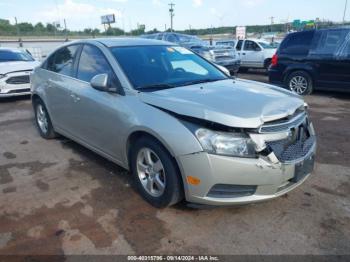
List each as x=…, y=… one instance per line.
x=164, y=66
x=14, y=55
x=266, y=45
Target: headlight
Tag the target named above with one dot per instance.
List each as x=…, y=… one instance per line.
x=228, y=144
x=2, y=76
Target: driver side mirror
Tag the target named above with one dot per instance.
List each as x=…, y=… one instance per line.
x=102, y=82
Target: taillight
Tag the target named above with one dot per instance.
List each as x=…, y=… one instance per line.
x=274, y=60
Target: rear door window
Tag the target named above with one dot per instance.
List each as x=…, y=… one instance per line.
x=297, y=43
x=329, y=43
x=62, y=62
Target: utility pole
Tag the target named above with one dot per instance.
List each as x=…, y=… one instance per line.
x=18, y=33
x=346, y=6
x=65, y=30
x=272, y=21
x=171, y=11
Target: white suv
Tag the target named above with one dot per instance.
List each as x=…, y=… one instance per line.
x=254, y=53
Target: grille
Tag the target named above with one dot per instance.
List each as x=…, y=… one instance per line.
x=286, y=152
x=18, y=80
x=231, y=191
x=17, y=91
x=284, y=125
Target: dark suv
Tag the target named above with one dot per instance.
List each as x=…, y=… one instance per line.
x=315, y=59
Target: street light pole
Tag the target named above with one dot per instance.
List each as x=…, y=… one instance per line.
x=346, y=6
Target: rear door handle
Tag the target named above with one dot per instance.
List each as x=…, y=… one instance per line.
x=243, y=53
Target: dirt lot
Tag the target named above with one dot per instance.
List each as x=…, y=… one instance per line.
x=57, y=197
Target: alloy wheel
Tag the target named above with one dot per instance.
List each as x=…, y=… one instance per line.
x=151, y=172
x=298, y=84
x=41, y=118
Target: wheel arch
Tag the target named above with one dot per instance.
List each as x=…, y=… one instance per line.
x=137, y=134
x=306, y=69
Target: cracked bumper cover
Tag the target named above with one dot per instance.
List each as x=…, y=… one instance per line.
x=271, y=180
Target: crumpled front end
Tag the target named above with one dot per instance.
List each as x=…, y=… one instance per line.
x=285, y=158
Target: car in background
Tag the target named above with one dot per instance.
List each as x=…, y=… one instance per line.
x=227, y=42
x=180, y=125
x=221, y=55
x=255, y=53
x=313, y=59
x=16, y=65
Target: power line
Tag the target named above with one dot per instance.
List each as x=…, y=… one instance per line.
x=171, y=11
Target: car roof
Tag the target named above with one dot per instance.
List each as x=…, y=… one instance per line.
x=125, y=41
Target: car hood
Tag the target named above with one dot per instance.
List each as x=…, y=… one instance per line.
x=233, y=103
x=9, y=67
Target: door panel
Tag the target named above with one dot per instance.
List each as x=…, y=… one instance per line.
x=251, y=56
x=59, y=84
x=329, y=55
x=96, y=119
x=96, y=114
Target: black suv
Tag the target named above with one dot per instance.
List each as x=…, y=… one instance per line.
x=315, y=59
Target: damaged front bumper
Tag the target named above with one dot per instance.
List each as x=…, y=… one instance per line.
x=231, y=180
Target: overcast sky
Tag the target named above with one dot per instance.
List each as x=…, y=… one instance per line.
x=81, y=14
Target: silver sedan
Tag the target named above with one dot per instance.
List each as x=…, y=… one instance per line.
x=181, y=125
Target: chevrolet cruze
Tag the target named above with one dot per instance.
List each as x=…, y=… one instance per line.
x=184, y=128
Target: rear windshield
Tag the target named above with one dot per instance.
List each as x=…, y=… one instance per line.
x=14, y=55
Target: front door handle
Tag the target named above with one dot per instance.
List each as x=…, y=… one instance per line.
x=243, y=53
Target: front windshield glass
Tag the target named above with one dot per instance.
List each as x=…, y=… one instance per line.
x=266, y=45
x=14, y=55
x=164, y=66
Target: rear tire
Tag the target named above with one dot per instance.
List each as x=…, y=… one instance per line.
x=43, y=121
x=300, y=82
x=155, y=173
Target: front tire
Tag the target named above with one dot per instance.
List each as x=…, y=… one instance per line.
x=300, y=82
x=155, y=173
x=43, y=120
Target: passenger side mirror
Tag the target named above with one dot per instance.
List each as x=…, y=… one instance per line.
x=100, y=82
x=257, y=48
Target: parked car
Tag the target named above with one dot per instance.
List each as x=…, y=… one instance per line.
x=255, y=53
x=15, y=68
x=227, y=42
x=221, y=55
x=180, y=125
x=311, y=60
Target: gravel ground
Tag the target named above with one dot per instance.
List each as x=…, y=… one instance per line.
x=57, y=197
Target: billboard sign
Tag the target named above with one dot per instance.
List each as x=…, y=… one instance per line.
x=108, y=19
x=241, y=32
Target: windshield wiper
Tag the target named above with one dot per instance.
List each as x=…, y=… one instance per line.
x=155, y=87
x=201, y=81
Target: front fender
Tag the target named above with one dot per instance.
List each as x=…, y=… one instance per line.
x=166, y=128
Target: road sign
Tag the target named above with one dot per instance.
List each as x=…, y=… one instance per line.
x=108, y=19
